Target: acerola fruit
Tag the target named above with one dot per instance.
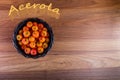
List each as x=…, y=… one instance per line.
x=25, y=41
x=32, y=44
x=44, y=33
x=33, y=52
x=23, y=47
x=45, y=29
x=27, y=50
x=47, y=34
x=39, y=44
x=40, y=50
x=45, y=45
x=40, y=26
x=42, y=39
x=29, y=24
x=34, y=28
x=25, y=28
x=21, y=31
x=19, y=37
x=35, y=34
x=31, y=39
x=26, y=33
x=20, y=43
x=47, y=40
x=35, y=23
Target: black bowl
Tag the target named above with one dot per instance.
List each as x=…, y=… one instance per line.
x=21, y=25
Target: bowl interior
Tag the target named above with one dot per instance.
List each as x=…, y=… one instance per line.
x=21, y=25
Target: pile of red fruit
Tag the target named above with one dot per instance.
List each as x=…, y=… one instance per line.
x=33, y=38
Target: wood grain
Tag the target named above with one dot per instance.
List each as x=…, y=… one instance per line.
x=86, y=42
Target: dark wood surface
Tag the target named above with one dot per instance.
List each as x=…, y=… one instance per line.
x=86, y=42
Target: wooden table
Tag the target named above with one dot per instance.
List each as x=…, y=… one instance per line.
x=86, y=42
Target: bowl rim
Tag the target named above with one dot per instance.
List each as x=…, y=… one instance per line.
x=20, y=25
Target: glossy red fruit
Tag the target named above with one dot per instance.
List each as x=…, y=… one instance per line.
x=33, y=52
x=35, y=23
x=25, y=28
x=40, y=26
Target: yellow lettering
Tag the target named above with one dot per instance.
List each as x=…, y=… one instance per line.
x=52, y=12
x=49, y=7
x=56, y=10
x=12, y=9
x=28, y=5
x=42, y=6
x=35, y=5
x=21, y=7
